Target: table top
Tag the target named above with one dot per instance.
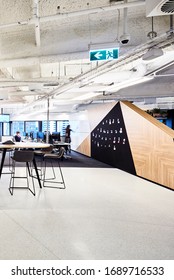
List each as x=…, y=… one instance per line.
x=61, y=144
x=24, y=145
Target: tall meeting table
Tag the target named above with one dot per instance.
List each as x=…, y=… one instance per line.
x=22, y=145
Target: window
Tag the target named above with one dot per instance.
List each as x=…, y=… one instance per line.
x=31, y=129
x=6, y=129
x=61, y=127
x=51, y=126
x=17, y=126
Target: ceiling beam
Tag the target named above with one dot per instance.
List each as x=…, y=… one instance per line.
x=34, y=20
x=18, y=62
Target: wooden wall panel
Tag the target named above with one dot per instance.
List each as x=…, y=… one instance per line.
x=85, y=147
x=152, y=145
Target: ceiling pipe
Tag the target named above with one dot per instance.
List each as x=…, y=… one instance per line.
x=125, y=38
x=94, y=10
x=32, y=60
x=171, y=30
x=74, y=14
x=35, y=17
x=137, y=54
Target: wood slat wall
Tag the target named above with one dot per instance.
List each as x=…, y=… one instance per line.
x=151, y=144
x=85, y=147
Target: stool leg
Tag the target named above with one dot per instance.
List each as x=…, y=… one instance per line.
x=53, y=172
x=28, y=172
x=11, y=185
x=63, y=182
x=51, y=180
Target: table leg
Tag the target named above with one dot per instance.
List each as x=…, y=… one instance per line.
x=37, y=174
x=2, y=160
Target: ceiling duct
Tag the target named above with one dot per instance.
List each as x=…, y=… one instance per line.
x=112, y=1
x=159, y=8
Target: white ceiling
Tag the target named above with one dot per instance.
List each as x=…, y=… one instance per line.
x=44, y=47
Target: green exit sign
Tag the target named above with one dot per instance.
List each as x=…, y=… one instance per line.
x=104, y=54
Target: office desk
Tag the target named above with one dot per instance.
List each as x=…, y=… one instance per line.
x=62, y=144
x=22, y=145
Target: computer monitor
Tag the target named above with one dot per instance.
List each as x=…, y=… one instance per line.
x=56, y=136
x=40, y=135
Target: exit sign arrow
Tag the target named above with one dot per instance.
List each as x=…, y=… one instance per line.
x=98, y=55
x=104, y=54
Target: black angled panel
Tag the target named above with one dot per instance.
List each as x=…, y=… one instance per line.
x=109, y=142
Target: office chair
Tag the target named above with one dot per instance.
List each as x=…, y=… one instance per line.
x=48, y=158
x=27, y=158
x=43, y=151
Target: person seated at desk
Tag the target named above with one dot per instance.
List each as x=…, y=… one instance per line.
x=17, y=137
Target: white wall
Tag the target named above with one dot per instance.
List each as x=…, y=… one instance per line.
x=81, y=129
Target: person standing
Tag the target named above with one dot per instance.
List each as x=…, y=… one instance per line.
x=68, y=138
x=68, y=134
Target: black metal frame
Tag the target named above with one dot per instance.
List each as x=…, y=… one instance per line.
x=28, y=172
x=56, y=158
x=34, y=164
x=9, y=161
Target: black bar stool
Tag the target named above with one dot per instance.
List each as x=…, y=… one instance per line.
x=54, y=159
x=26, y=157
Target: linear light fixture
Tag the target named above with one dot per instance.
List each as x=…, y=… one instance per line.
x=152, y=53
x=87, y=95
x=132, y=82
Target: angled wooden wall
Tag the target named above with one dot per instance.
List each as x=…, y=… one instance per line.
x=149, y=151
x=152, y=145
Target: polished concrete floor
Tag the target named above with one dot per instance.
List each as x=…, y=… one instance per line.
x=103, y=214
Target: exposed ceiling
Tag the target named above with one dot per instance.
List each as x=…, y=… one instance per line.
x=44, y=47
